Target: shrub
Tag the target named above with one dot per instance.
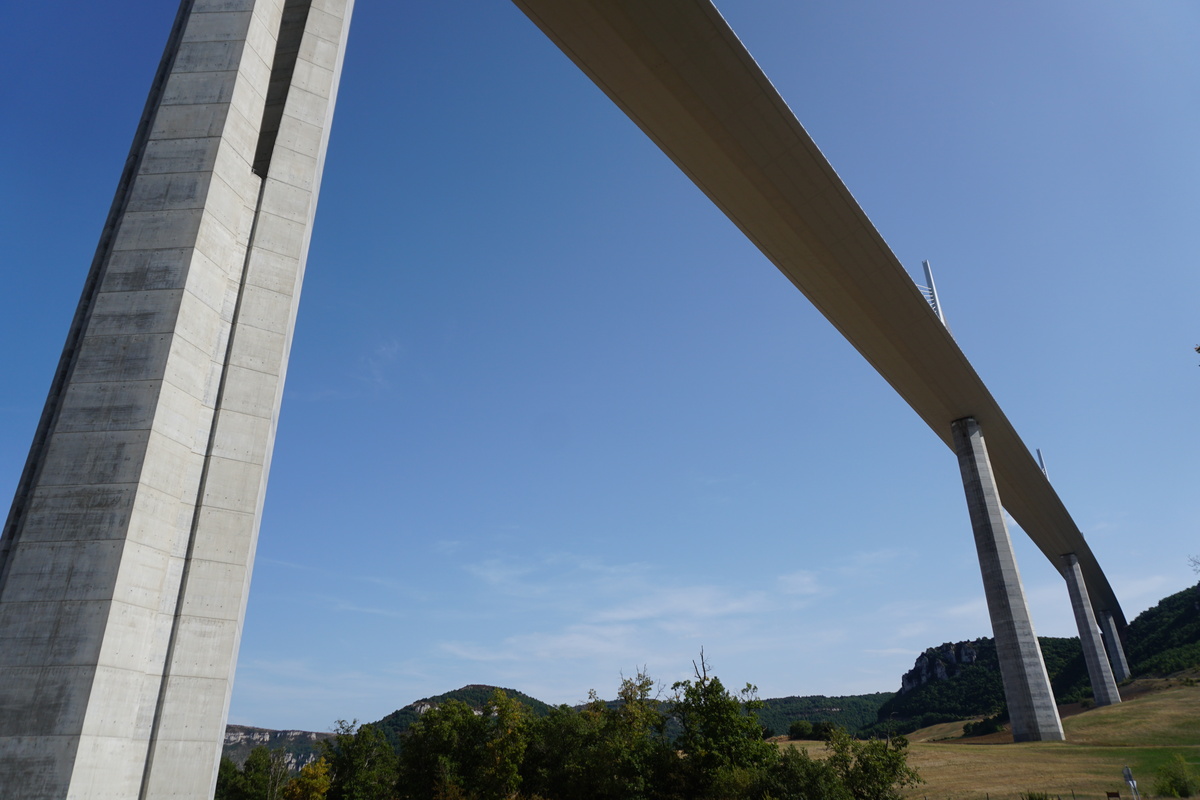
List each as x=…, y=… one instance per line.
x=1176, y=778
x=873, y=770
x=800, y=729
x=985, y=726
x=796, y=776
x=823, y=729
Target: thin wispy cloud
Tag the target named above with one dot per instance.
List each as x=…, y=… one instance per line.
x=801, y=582
x=866, y=562
x=1149, y=586
x=352, y=608
x=508, y=576
x=448, y=547
x=892, y=651
x=377, y=367
x=975, y=607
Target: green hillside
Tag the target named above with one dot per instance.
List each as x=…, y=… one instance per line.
x=1159, y=720
x=1166, y=638
x=849, y=711
x=944, y=687
x=475, y=695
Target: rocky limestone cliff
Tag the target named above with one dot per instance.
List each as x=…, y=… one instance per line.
x=300, y=747
x=938, y=664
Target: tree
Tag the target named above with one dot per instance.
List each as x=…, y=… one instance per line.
x=872, y=770
x=229, y=781
x=719, y=732
x=452, y=750
x=635, y=746
x=440, y=750
x=264, y=774
x=312, y=782
x=563, y=752
x=362, y=765
x=800, y=729
x=604, y=751
x=1176, y=778
x=796, y=776
x=507, y=723
x=822, y=729
x=262, y=777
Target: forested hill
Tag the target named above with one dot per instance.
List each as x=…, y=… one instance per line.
x=849, y=711
x=475, y=695
x=1166, y=638
x=962, y=680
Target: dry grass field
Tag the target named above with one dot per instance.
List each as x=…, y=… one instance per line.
x=1156, y=720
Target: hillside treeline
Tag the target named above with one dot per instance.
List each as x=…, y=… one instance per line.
x=851, y=712
x=601, y=751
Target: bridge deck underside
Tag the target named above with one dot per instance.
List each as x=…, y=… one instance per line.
x=681, y=74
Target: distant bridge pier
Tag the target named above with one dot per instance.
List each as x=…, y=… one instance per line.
x=1116, y=650
x=1104, y=688
x=1031, y=705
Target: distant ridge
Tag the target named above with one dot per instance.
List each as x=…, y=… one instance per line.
x=300, y=747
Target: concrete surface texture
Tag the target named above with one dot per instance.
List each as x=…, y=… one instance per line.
x=126, y=558
x=1031, y=705
x=1104, y=688
x=1115, y=648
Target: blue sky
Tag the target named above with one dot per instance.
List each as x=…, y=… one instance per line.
x=550, y=418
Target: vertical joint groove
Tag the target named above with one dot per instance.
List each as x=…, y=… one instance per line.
x=287, y=50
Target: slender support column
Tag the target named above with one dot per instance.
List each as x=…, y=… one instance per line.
x=1031, y=706
x=1104, y=688
x=1116, y=650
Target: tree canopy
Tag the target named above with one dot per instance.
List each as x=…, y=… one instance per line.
x=695, y=741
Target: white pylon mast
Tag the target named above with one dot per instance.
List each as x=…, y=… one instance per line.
x=930, y=292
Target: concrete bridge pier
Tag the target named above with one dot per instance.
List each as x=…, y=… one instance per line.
x=125, y=561
x=1104, y=688
x=1116, y=650
x=1031, y=705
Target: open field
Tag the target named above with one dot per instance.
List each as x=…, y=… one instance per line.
x=1157, y=720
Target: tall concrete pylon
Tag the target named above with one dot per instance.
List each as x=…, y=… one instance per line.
x=1104, y=688
x=1116, y=650
x=1031, y=706
x=125, y=561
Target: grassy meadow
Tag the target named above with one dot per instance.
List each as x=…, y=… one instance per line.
x=1156, y=720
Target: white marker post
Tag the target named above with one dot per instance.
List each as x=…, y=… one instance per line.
x=1132, y=783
